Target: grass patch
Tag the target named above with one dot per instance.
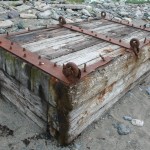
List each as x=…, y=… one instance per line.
x=138, y=1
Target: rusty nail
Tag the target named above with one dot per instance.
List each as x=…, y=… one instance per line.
x=120, y=41
x=41, y=63
x=10, y=47
x=24, y=49
x=55, y=64
x=84, y=67
x=145, y=40
x=24, y=55
x=102, y=57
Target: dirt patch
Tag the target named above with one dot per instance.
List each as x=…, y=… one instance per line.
x=5, y=131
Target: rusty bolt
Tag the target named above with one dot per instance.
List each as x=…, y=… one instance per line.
x=102, y=57
x=24, y=55
x=103, y=14
x=120, y=41
x=24, y=49
x=62, y=20
x=55, y=64
x=10, y=48
x=84, y=67
x=145, y=40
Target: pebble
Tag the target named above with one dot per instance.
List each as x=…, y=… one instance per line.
x=123, y=129
x=6, y=24
x=148, y=89
x=137, y=122
x=2, y=31
x=127, y=118
x=28, y=16
x=13, y=14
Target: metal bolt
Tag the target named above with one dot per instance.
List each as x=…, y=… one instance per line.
x=24, y=55
x=55, y=64
x=145, y=40
x=102, y=57
x=41, y=63
x=84, y=67
x=120, y=41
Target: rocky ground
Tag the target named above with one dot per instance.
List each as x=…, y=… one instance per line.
x=16, y=15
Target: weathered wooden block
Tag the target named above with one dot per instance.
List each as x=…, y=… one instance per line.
x=67, y=97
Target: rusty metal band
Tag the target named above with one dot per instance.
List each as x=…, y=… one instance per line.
x=103, y=37
x=128, y=24
x=43, y=64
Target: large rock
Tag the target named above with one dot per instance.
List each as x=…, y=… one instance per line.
x=13, y=14
x=23, y=8
x=6, y=24
x=2, y=31
x=44, y=15
x=85, y=12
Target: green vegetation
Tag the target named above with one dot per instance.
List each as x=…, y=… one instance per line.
x=138, y=1
x=75, y=1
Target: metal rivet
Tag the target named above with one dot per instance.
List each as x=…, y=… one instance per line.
x=10, y=47
x=120, y=41
x=84, y=67
x=102, y=57
x=24, y=55
x=55, y=64
x=145, y=40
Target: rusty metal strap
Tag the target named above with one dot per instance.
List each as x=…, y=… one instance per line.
x=103, y=37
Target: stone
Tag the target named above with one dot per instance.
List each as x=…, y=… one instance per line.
x=138, y=14
x=69, y=20
x=54, y=15
x=89, y=8
x=128, y=118
x=123, y=129
x=28, y=16
x=85, y=12
x=13, y=14
x=123, y=13
x=20, y=25
x=16, y=3
x=128, y=19
x=6, y=24
x=44, y=15
x=148, y=89
x=23, y=8
x=2, y=31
